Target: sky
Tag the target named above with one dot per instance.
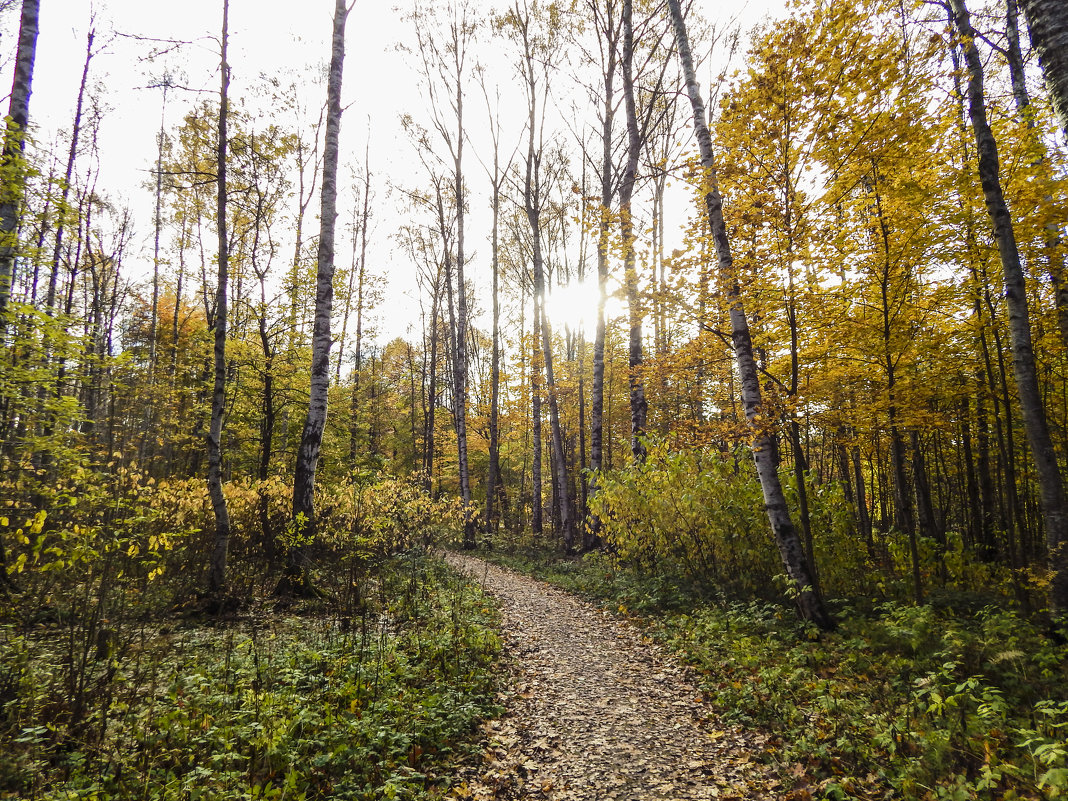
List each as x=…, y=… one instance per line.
x=267, y=38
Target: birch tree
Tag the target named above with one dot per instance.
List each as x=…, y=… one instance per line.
x=765, y=449
x=12, y=179
x=497, y=175
x=14, y=147
x=534, y=58
x=608, y=32
x=1053, y=253
x=217, y=565
x=1047, y=22
x=639, y=407
x=311, y=440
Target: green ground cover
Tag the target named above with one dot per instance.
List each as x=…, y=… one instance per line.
x=368, y=700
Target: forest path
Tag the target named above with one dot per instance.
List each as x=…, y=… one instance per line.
x=596, y=711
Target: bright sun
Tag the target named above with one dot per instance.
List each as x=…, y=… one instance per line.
x=574, y=306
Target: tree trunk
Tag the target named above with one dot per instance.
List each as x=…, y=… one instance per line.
x=68, y=176
x=638, y=405
x=1051, y=488
x=536, y=507
x=62, y=215
x=14, y=146
x=267, y=423
x=863, y=514
x=431, y=384
x=765, y=453
x=432, y=390
x=312, y=436
x=581, y=489
x=362, y=273
x=925, y=512
x=494, y=485
x=532, y=201
x=975, y=536
x=800, y=477
x=157, y=230
x=1053, y=251
x=982, y=466
x=217, y=566
x=563, y=495
x=1047, y=22
x=610, y=33
x=459, y=364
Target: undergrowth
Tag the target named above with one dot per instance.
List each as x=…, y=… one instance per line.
x=302, y=703
x=915, y=702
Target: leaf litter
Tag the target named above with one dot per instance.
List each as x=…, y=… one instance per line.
x=595, y=710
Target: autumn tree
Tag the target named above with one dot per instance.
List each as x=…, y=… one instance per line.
x=765, y=452
x=1052, y=495
x=498, y=174
x=536, y=32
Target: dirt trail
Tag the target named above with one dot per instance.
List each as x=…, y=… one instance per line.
x=596, y=711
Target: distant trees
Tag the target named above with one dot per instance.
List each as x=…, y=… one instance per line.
x=536, y=34
x=446, y=68
x=823, y=301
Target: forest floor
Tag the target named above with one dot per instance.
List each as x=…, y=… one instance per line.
x=595, y=710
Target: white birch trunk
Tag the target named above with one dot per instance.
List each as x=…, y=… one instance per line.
x=1047, y=22
x=638, y=405
x=311, y=439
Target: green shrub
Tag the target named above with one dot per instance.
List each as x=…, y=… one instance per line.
x=688, y=513
x=278, y=706
x=696, y=517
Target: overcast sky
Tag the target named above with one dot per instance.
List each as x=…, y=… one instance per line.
x=267, y=37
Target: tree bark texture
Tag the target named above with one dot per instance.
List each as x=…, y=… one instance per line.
x=1047, y=22
x=765, y=453
x=1053, y=252
x=459, y=365
x=494, y=484
x=537, y=523
x=609, y=33
x=429, y=417
x=362, y=270
x=14, y=145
